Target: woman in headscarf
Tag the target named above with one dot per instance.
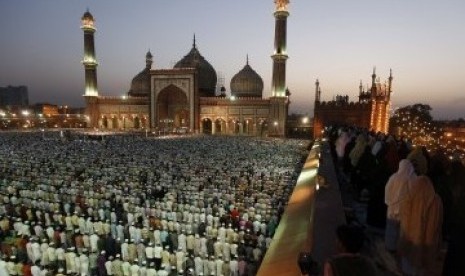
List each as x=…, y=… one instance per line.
x=341, y=143
x=361, y=161
x=396, y=191
x=360, y=146
x=419, y=161
x=420, y=228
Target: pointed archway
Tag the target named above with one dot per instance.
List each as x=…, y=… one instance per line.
x=262, y=127
x=105, y=122
x=207, y=126
x=114, y=122
x=136, y=122
x=172, y=108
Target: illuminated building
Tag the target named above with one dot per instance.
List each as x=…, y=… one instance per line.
x=372, y=111
x=46, y=109
x=183, y=98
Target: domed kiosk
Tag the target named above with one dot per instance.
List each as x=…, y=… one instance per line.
x=247, y=83
x=206, y=74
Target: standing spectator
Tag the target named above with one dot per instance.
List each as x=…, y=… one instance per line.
x=420, y=227
x=396, y=192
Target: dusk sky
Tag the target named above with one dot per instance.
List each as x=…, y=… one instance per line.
x=338, y=42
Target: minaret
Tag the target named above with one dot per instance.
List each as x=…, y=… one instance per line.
x=278, y=86
x=89, y=61
x=390, y=82
x=317, y=91
x=148, y=60
x=373, y=83
x=279, y=100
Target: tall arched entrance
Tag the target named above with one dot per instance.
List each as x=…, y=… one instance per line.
x=172, y=109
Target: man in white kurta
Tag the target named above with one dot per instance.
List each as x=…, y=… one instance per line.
x=84, y=264
x=93, y=242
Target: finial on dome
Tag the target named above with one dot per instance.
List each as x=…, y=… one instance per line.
x=194, y=44
x=247, y=59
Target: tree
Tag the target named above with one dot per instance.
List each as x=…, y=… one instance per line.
x=415, y=122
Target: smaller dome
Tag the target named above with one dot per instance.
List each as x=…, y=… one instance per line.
x=140, y=85
x=247, y=83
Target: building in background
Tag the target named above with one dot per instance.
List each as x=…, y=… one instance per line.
x=183, y=98
x=14, y=96
x=372, y=111
x=299, y=126
x=46, y=109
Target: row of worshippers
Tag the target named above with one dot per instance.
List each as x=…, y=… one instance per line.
x=410, y=191
x=111, y=200
x=177, y=263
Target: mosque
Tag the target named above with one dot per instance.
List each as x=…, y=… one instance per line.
x=372, y=111
x=183, y=98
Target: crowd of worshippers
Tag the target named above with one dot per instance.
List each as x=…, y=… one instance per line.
x=137, y=206
x=416, y=195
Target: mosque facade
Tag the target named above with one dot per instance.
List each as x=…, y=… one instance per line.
x=372, y=111
x=183, y=98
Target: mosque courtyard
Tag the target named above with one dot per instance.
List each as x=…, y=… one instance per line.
x=202, y=204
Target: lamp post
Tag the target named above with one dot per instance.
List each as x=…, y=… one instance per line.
x=275, y=127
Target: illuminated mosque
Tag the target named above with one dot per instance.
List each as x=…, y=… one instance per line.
x=372, y=111
x=183, y=98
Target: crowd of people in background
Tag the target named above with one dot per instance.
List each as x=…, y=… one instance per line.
x=129, y=205
x=417, y=196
